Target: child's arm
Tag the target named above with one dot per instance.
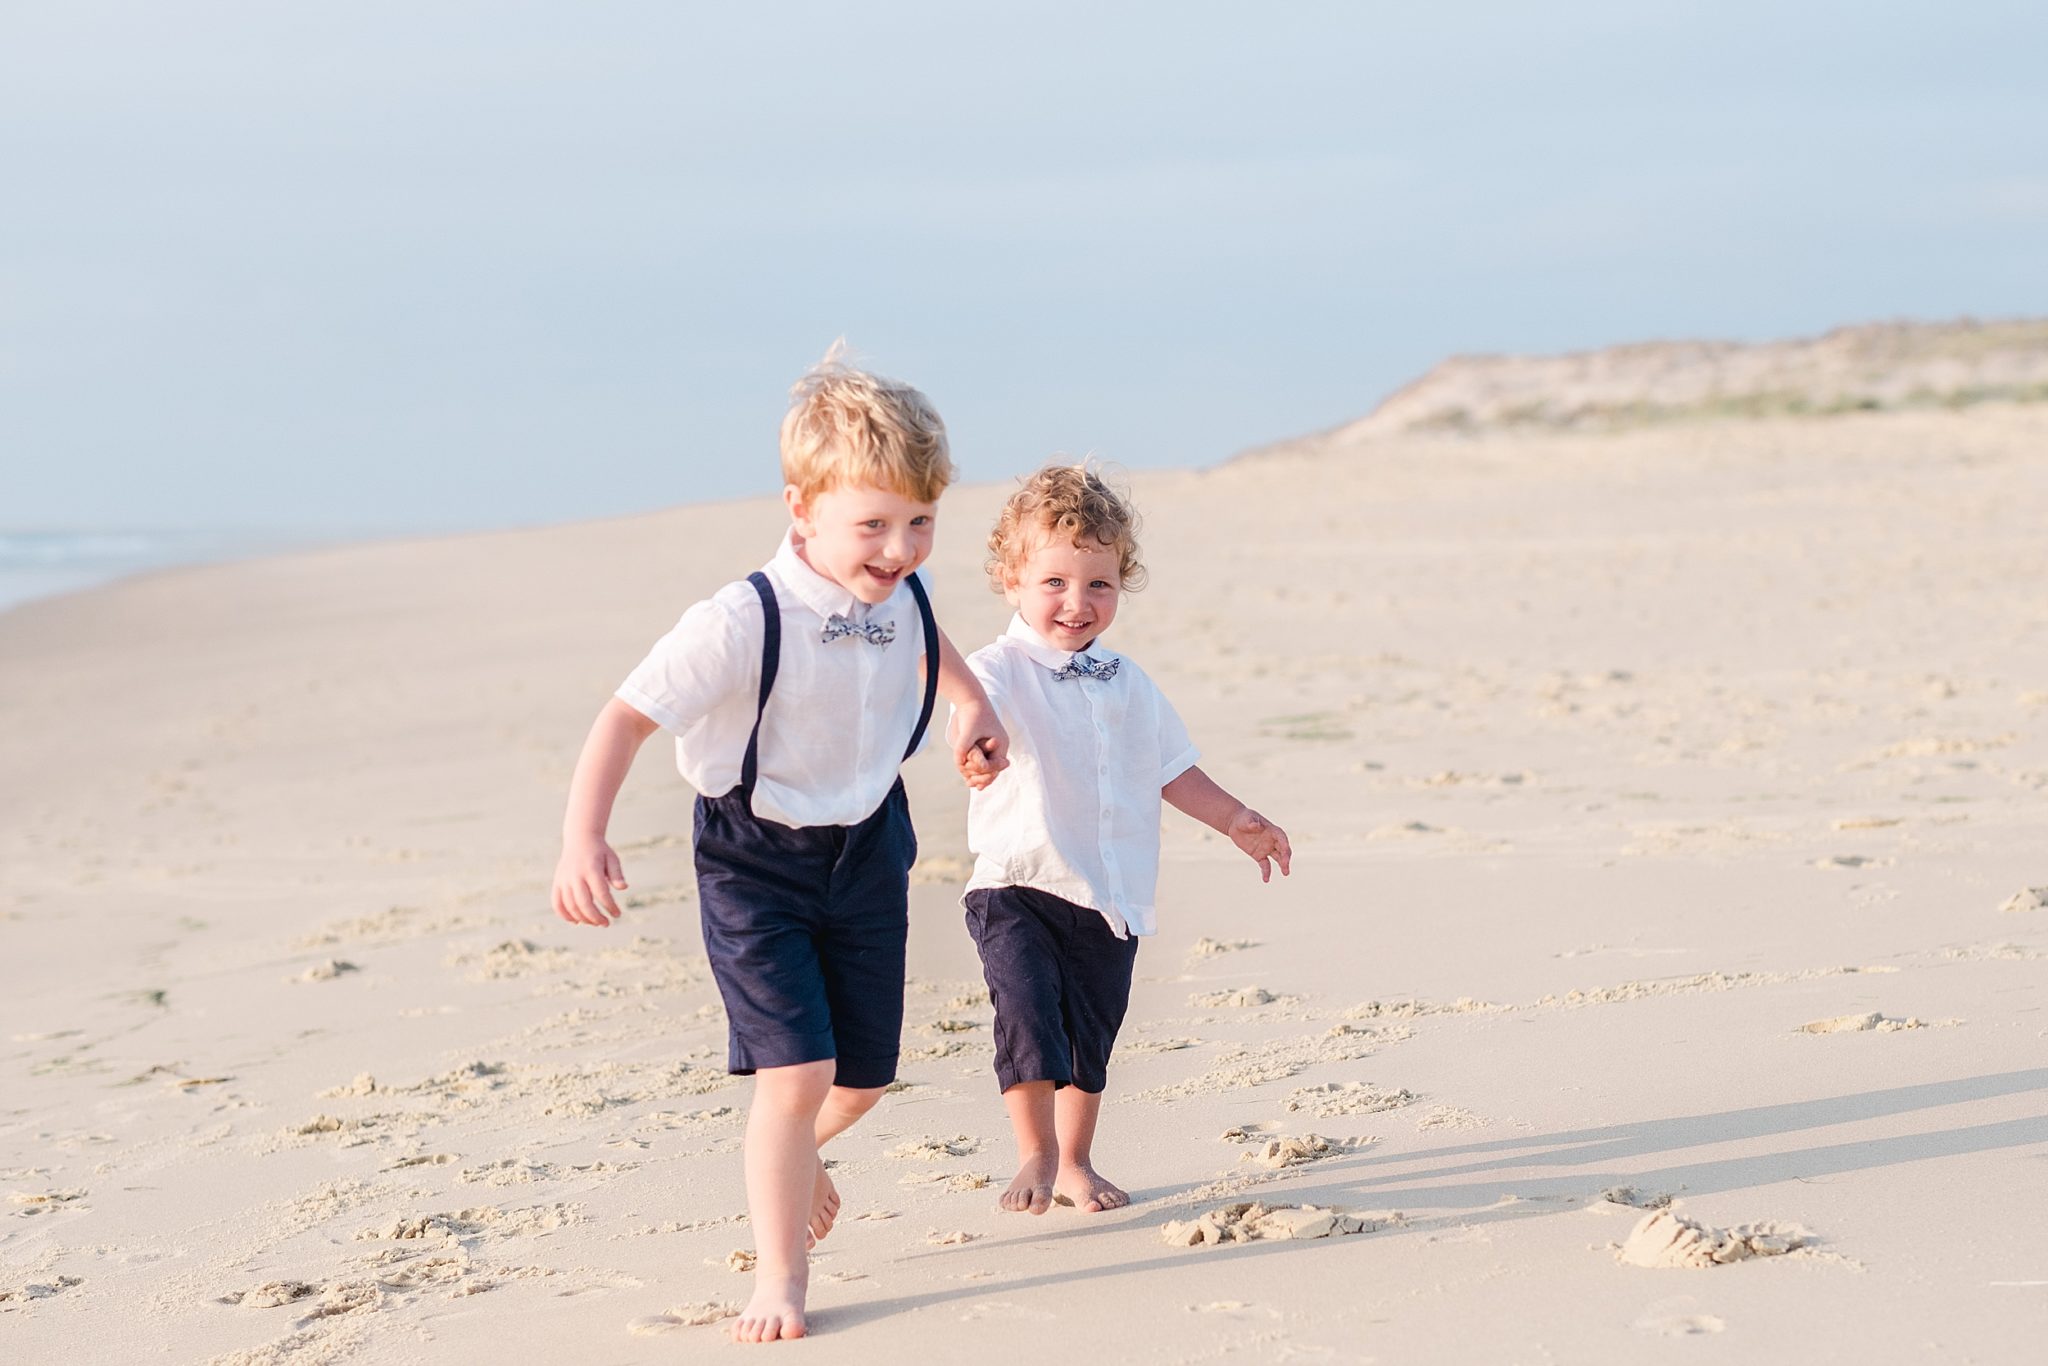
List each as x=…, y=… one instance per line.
x=981, y=747
x=589, y=871
x=1196, y=793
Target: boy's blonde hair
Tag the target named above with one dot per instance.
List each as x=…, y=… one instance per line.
x=1075, y=501
x=847, y=427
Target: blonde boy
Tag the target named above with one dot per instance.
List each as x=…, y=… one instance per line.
x=1067, y=843
x=794, y=695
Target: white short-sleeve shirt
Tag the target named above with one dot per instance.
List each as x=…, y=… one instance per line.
x=840, y=714
x=1077, y=812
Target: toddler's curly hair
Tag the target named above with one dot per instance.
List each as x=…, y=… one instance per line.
x=1075, y=501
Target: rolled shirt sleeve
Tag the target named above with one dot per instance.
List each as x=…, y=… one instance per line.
x=696, y=666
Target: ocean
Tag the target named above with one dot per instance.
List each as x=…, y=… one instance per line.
x=42, y=564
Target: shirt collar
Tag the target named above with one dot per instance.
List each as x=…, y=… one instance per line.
x=1051, y=656
x=813, y=589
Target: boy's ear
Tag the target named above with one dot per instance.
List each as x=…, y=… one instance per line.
x=799, y=511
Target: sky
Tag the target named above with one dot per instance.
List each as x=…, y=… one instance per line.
x=442, y=265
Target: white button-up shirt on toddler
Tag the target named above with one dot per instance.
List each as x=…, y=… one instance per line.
x=841, y=711
x=1077, y=812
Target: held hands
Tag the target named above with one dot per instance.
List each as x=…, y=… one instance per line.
x=981, y=747
x=975, y=770
x=584, y=882
x=1262, y=840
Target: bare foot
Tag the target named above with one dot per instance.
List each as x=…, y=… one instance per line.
x=1031, y=1192
x=775, y=1313
x=1084, y=1188
x=824, y=1206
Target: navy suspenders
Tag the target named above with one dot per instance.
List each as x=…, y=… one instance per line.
x=771, y=657
x=931, y=664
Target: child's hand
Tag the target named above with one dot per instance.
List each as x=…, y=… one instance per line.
x=584, y=881
x=1261, y=839
x=975, y=769
x=981, y=747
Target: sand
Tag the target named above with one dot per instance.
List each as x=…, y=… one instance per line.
x=1650, y=791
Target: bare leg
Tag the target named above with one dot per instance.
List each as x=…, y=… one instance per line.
x=1030, y=1105
x=1078, y=1183
x=843, y=1105
x=782, y=1170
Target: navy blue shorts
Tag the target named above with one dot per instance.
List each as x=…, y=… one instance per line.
x=1060, y=981
x=805, y=930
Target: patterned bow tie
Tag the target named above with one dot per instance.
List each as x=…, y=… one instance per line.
x=873, y=632
x=1082, y=666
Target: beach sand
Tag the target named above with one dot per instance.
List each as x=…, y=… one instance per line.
x=1664, y=953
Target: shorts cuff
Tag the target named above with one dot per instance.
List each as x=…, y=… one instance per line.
x=744, y=1057
x=1007, y=1076
x=864, y=1074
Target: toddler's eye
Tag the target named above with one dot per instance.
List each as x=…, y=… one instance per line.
x=873, y=524
x=920, y=521
x=1099, y=583
x=1055, y=583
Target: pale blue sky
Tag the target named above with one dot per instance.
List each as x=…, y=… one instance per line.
x=424, y=265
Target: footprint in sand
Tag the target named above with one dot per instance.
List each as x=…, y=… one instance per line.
x=514, y=958
x=42, y=1202
x=422, y=1160
x=2026, y=899
x=1664, y=1239
x=1206, y=947
x=488, y=1220
x=684, y=1316
x=1250, y=1133
x=1335, y=1098
x=1234, y=1308
x=1677, y=1317
x=1856, y=1024
x=17, y=1295
x=1412, y=1009
x=1238, y=998
x=928, y=1149
x=1250, y=1221
x=1166, y=1045
x=1275, y=1154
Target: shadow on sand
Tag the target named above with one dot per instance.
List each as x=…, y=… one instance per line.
x=1354, y=1182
